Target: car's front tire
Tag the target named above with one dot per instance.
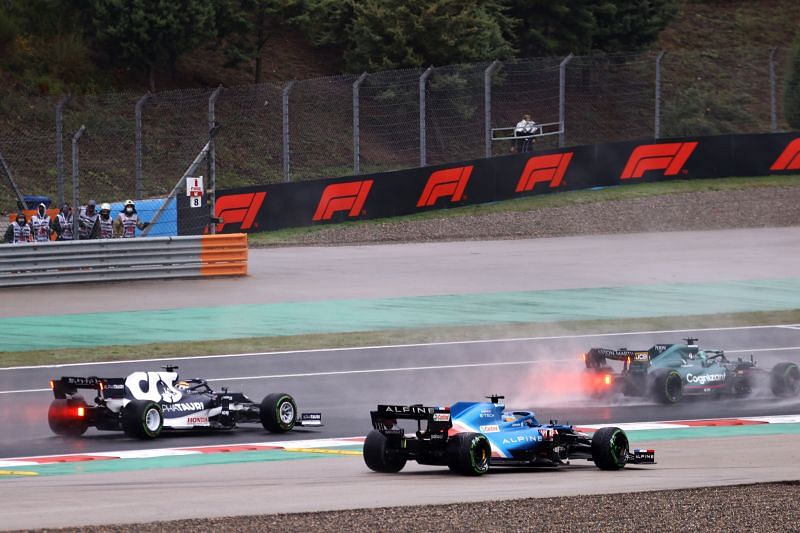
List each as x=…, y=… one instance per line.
x=278, y=412
x=469, y=454
x=142, y=419
x=63, y=417
x=610, y=448
x=378, y=457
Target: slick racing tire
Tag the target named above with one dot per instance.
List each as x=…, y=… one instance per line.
x=63, y=417
x=142, y=419
x=667, y=386
x=378, y=457
x=610, y=448
x=468, y=454
x=785, y=380
x=278, y=412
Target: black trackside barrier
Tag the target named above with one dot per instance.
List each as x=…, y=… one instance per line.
x=403, y=192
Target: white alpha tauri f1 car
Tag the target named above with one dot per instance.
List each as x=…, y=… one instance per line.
x=144, y=403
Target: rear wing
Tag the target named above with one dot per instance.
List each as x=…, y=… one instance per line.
x=106, y=387
x=596, y=358
x=437, y=419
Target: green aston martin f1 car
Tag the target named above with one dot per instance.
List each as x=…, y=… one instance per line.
x=669, y=372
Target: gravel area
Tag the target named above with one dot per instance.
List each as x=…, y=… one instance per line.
x=746, y=208
x=762, y=507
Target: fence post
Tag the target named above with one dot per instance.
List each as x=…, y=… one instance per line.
x=773, y=96
x=357, y=124
x=212, y=158
x=286, y=90
x=60, y=148
x=657, y=121
x=189, y=171
x=138, y=163
x=423, y=145
x=76, y=218
x=562, y=95
x=487, y=105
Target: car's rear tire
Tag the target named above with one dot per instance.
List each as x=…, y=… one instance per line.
x=610, y=448
x=785, y=380
x=278, y=412
x=63, y=419
x=142, y=419
x=469, y=454
x=378, y=457
x=667, y=386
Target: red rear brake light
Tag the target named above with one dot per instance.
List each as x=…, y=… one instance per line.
x=52, y=384
x=583, y=357
x=607, y=379
x=81, y=412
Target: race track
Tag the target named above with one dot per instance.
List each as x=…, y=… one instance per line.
x=345, y=384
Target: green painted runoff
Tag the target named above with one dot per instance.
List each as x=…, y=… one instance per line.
x=337, y=316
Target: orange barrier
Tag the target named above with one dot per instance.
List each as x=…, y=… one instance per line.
x=223, y=255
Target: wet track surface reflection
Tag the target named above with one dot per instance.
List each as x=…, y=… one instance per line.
x=345, y=384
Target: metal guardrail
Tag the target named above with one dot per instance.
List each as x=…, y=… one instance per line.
x=543, y=130
x=123, y=259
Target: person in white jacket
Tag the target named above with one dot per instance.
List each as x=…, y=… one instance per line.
x=524, y=129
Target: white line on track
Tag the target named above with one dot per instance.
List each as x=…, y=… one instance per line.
x=398, y=369
x=364, y=371
x=391, y=346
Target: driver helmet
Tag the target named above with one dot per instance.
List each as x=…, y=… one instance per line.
x=182, y=385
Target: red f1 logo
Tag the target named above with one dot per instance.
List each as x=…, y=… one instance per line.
x=447, y=182
x=348, y=196
x=670, y=157
x=790, y=158
x=541, y=168
x=239, y=208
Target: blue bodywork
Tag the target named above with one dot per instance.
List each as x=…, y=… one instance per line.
x=514, y=435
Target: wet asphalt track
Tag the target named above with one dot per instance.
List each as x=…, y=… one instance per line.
x=345, y=384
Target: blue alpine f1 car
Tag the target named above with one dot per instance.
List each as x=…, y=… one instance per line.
x=469, y=437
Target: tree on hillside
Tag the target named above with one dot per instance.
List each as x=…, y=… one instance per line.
x=383, y=35
x=151, y=34
x=553, y=28
x=791, y=95
x=245, y=27
x=623, y=25
x=579, y=26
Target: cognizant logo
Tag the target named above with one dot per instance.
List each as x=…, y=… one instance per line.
x=705, y=378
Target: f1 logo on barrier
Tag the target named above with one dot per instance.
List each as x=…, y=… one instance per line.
x=789, y=159
x=348, y=196
x=239, y=208
x=447, y=182
x=544, y=168
x=669, y=157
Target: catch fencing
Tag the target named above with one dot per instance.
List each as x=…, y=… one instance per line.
x=138, y=146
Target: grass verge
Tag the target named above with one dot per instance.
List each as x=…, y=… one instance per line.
x=545, y=201
x=391, y=337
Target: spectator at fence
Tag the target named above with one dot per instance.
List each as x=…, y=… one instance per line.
x=40, y=224
x=525, y=129
x=105, y=222
x=19, y=231
x=88, y=227
x=127, y=221
x=62, y=224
